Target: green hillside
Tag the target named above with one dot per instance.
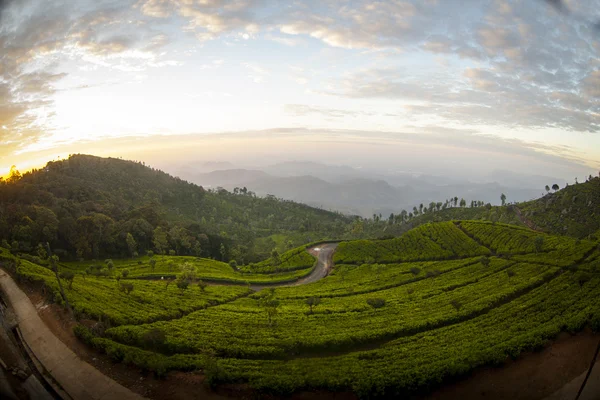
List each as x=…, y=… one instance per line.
x=395, y=317
x=91, y=207
x=572, y=211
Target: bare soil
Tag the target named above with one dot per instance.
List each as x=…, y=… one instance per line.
x=531, y=376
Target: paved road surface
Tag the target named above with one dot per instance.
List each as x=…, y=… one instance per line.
x=79, y=379
x=324, y=254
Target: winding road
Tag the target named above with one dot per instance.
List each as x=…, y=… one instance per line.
x=324, y=254
x=79, y=379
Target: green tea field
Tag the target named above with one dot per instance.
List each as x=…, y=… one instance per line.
x=393, y=317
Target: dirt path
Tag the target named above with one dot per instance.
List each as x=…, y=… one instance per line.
x=324, y=253
x=77, y=378
x=534, y=375
x=591, y=390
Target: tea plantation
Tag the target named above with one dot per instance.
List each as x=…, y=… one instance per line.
x=393, y=317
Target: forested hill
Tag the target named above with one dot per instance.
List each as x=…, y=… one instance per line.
x=572, y=211
x=93, y=207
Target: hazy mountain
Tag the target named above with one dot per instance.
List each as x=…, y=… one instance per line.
x=357, y=196
x=365, y=192
x=330, y=173
x=513, y=179
x=228, y=178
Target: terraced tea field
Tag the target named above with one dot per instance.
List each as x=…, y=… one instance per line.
x=393, y=317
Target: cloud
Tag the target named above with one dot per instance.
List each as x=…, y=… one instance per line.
x=487, y=96
x=257, y=73
x=207, y=19
x=290, y=41
x=535, y=69
x=37, y=38
x=350, y=25
x=302, y=110
x=524, y=64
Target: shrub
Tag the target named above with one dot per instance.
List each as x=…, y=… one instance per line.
x=127, y=287
x=83, y=334
x=183, y=284
x=312, y=302
x=433, y=273
x=125, y=273
x=67, y=276
x=154, y=339
x=376, y=302
x=583, y=278
x=456, y=304
x=33, y=259
x=415, y=271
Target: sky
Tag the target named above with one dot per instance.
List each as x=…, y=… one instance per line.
x=446, y=86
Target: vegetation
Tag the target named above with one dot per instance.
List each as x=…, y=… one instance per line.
x=93, y=208
x=570, y=211
x=395, y=317
x=428, y=242
x=291, y=260
x=172, y=274
x=573, y=210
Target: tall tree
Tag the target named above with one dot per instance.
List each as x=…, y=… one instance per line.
x=503, y=198
x=54, y=266
x=160, y=241
x=131, y=244
x=313, y=302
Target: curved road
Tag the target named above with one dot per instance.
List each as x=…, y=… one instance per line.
x=79, y=379
x=324, y=254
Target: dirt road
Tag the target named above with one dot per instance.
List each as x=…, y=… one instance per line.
x=76, y=377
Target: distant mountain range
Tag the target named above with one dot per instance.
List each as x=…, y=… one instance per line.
x=362, y=192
